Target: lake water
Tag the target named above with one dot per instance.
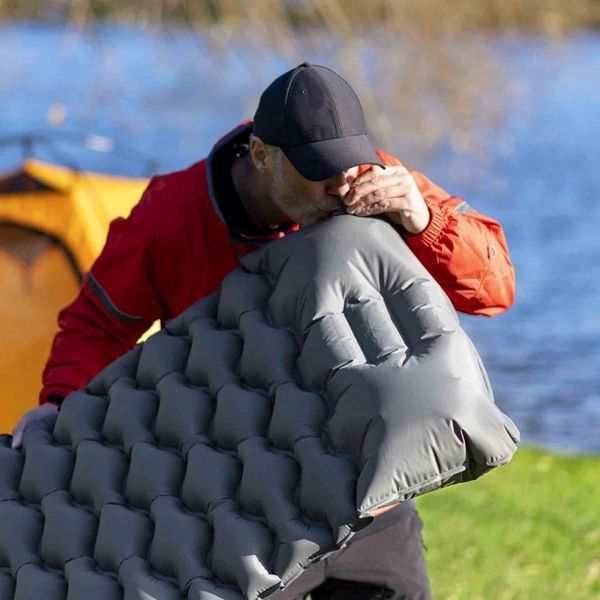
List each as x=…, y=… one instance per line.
x=172, y=97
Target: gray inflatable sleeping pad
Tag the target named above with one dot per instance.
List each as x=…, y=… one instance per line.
x=255, y=433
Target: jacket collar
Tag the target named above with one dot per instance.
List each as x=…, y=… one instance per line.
x=239, y=134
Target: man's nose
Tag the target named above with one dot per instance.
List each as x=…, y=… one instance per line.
x=339, y=185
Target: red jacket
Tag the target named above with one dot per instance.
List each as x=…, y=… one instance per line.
x=174, y=249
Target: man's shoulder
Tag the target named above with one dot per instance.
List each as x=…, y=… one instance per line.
x=171, y=197
x=177, y=187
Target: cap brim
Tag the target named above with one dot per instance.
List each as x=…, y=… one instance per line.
x=321, y=160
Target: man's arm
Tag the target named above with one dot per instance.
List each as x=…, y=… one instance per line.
x=465, y=251
x=90, y=337
x=117, y=303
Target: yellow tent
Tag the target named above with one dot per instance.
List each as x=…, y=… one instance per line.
x=53, y=223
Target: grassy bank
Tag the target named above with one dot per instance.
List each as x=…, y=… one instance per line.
x=527, y=531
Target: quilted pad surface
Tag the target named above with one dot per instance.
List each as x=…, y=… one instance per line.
x=255, y=433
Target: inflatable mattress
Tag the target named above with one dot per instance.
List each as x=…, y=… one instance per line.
x=256, y=433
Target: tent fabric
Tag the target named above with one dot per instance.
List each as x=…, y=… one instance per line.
x=53, y=223
x=37, y=279
x=256, y=433
x=74, y=207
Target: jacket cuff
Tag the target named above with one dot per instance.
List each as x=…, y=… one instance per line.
x=437, y=223
x=53, y=396
x=56, y=400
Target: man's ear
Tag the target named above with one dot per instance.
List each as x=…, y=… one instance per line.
x=260, y=154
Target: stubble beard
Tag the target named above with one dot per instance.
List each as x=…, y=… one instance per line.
x=289, y=203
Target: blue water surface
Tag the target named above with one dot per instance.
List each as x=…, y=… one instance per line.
x=172, y=94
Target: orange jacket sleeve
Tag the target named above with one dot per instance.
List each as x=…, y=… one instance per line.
x=465, y=251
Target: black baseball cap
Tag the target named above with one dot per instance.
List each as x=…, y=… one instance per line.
x=316, y=118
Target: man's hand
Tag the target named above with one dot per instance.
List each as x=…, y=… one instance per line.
x=380, y=511
x=40, y=412
x=392, y=191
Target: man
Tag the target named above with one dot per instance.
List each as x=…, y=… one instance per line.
x=305, y=155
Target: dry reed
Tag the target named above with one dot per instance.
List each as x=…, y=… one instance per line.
x=548, y=16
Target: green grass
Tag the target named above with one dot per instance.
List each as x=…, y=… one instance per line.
x=528, y=530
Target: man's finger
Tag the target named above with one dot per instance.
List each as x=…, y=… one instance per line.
x=372, y=172
x=29, y=417
x=394, y=197
x=358, y=191
x=394, y=204
x=368, y=187
x=377, y=171
x=372, y=209
x=17, y=438
x=379, y=511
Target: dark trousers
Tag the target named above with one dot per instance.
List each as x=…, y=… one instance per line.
x=384, y=561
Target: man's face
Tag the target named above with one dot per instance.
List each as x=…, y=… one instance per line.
x=304, y=201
